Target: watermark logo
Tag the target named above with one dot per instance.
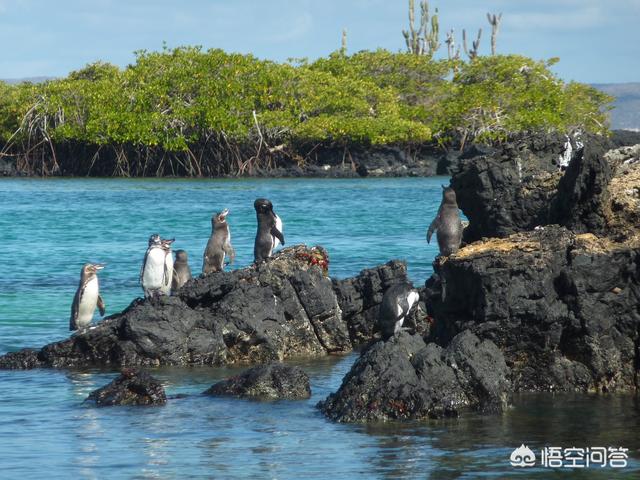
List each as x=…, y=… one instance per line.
x=574, y=457
x=522, y=456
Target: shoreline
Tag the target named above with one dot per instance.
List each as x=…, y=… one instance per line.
x=356, y=161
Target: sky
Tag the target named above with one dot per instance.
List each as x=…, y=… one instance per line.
x=597, y=41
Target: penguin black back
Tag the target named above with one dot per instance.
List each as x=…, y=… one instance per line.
x=269, y=231
x=396, y=303
x=219, y=244
x=447, y=224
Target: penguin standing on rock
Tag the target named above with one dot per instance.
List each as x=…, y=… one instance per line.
x=157, y=268
x=396, y=304
x=87, y=297
x=269, y=234
x=219, y=244
x=181, y=270
x=447, y=224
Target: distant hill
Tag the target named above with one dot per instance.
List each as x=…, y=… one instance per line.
x=626, y=114
x=27, y=79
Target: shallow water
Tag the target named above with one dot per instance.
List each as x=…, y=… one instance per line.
x=49, y=228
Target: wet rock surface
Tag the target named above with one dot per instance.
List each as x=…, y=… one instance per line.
x=285, y=307
x=405, y=378
x=564, y=308
x=266, y=382
x=132, y=387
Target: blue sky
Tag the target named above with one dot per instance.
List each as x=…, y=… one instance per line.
x=597, y=41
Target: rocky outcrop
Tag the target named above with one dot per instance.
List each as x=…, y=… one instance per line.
x=506, y=190
x=285, y=307
x=520, y=186
x=266, y=382
x=132, y=387
x=359, y=299
x=564, y=308
x=404, y=378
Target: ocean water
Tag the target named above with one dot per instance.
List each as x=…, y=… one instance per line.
x=50, y=227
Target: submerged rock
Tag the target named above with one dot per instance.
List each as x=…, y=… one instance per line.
x=132, y=387
x=266, y=382
x=285, y=307
x=404, y=378
x=562, y=307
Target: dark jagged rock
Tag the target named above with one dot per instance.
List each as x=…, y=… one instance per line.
x=266, y=382
x=132, y=387
x=563, y=307
x=582, y=192
x=507, y=190
x=359, y=298
x=285, y=307
x=520, y=187
x=21, y=360
x=404, y=378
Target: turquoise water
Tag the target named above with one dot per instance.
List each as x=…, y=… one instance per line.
x=49, y=228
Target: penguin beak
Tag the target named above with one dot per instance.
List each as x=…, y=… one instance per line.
x=99, y=266
x=224, y=213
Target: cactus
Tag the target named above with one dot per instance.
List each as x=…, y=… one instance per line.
x=424, y=39
x=453, y=53
x=494, y=21
x=475, y=45
x=343, y=48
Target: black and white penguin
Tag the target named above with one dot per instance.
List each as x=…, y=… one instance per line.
x=87, y=297
x=447, y=224
x=181, y=270
x=269, y=234
x=396, y=304
x=157, y=268
x=219, y=244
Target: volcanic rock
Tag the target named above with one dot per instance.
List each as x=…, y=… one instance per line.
x=266, y=382
x=132, y=387
x=404, y=378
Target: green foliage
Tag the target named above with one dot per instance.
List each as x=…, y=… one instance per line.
x=177, y=98
x=498, y=95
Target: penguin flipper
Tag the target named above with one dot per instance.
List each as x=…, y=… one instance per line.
x=144, y=264
x=228, y=249
x=432, y=228
x=278, y=234
x=74, y=312
x=101, y=306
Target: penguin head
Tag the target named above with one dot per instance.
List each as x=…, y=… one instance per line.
x=220, y=218
x=166, y=243
x=449, y=195
x=181, y=256
x=262, y=205
x=90, y=269
x=154, y=239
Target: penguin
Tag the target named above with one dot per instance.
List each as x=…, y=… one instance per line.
x=269, y=234
x=181, y=270
x=168, y=266
x=157, y=268
x=396, y=304
x=219, y=244
x=447, y=224
x=87, y=297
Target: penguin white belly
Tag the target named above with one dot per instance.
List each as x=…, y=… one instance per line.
x=276, y=240
x=88, y=302
x=153, y=275
x=168, y=262
x=412, y=298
